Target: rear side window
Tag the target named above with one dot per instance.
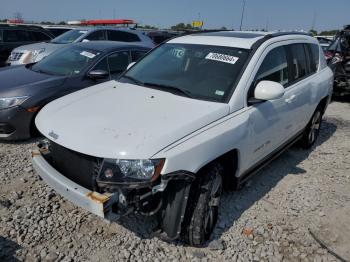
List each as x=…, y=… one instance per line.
x=114, y=35
x=314, y=57
x=137, y=55
x=274, y=67
x=299, y=62
x=96, y=36
x=16, y=36
x=39, y=36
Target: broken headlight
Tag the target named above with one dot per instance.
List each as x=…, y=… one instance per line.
x=124, y=171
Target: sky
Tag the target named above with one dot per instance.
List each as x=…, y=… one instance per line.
x=259, y=14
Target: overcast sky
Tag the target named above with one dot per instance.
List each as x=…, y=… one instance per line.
x=276, y=14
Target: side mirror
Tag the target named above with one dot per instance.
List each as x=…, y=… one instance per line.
x=98, y=74
x=130, y=65
x=268, y=90
x=85, y=40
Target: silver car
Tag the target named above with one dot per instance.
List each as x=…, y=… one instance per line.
x=35, y=52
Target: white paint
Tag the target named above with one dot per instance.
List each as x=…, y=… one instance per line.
x=126, y=122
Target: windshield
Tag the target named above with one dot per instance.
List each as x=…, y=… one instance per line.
x=69, y=37
x=197, y=71
x=69, y=61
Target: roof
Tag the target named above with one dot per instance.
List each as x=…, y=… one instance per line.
x=238, y=39
x=105, y=46
x=14, y=26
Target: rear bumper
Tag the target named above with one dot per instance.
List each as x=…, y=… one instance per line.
x=96, y=203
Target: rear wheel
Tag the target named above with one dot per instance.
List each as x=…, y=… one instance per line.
x=312, y=130
x=203, y=206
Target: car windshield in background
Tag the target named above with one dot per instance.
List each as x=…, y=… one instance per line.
x=197, y=71
x=69, y=61
x=68, y=37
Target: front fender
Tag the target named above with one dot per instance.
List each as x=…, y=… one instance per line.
x=202, y=147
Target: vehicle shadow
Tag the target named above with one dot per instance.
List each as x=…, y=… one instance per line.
x=22, y=142
x=233, y=204
x=341, y=99
x=8, y=249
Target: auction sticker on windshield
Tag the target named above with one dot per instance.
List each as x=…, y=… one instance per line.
x=88, y=54
x=222, y=58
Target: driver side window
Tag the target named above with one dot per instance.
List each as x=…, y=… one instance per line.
x=102, y=65
x=273, y=68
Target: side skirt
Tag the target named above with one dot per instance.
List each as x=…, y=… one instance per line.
x=266, y=160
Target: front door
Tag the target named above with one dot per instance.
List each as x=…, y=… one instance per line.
x=268, y=120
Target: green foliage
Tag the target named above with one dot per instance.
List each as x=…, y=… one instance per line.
x=313, y=32
x=46, y=23
x=147, y=27
x=330, y=32
x=182, y=26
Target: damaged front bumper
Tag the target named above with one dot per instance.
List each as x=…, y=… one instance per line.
x=94, y=202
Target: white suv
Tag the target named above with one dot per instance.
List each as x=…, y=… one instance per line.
x=197, y=112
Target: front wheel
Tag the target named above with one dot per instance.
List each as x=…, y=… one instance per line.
x=312, y=130
x=203, y=206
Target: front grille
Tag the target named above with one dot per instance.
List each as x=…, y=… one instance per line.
x=15, y=56
x=80, y=168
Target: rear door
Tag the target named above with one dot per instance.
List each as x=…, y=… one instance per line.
x=115, y=35
x=98, y=35
x=298, y=92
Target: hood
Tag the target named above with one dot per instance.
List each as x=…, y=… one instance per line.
x=119, y=120
x=19, y=80
x=49, y=47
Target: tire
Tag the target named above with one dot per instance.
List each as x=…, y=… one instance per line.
x=312, y=130
x=203, y=206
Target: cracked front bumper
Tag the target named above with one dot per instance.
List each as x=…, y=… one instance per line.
x=96, y=203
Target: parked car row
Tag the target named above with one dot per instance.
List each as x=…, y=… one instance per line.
x=165, y=135
x=35, y=52
x=338, y=58
x=12, y=36
x=26, y=89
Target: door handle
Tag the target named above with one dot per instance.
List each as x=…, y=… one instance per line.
x=290, y=99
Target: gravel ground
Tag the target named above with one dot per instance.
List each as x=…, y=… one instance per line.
x=269, y=220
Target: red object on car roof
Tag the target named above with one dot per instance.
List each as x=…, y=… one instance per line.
x=108, y=22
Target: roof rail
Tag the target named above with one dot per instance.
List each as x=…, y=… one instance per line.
x=276, y=34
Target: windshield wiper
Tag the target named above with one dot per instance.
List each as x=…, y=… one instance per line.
x=170, y=89
x=138, y=82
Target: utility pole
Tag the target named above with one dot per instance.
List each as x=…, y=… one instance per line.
x=313, y=20
x=240, y=27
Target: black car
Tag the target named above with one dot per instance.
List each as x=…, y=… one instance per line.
x=12, y=36
x=24, y=90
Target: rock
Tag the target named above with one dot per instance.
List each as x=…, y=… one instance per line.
x=217, y=245
x=51, y=257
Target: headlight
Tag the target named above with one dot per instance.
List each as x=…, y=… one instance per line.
x=31, y=56
x=130, y=171
x=7, y=102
